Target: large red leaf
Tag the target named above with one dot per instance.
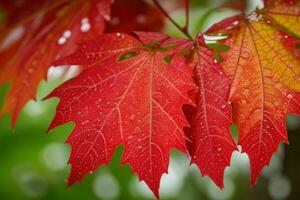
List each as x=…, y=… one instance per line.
x=132, y=97
x=211, y=144
x=55, y=31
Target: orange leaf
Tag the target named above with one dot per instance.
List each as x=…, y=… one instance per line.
x=265, y=78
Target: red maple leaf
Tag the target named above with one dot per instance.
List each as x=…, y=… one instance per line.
x=131, y=94
x=55, y=31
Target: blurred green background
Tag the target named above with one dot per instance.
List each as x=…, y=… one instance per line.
x=33, y=163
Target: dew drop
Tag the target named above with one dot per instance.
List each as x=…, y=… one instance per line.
x=132, y=117
x=290, y=96
x=62, y=40
x=246, y=92
x=85, y=20
x=85, y=25
x=106, y=17
x=235, y=23
x=119, y=34
x=67, y=34
x=223, y=106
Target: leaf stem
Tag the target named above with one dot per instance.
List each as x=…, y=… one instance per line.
x=183, y=30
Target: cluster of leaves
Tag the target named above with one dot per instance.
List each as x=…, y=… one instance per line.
x=152, y=93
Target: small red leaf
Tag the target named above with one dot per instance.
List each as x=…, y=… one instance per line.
x=211, y=143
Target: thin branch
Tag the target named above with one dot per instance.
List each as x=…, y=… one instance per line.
x=171, y=20
x=187, y=15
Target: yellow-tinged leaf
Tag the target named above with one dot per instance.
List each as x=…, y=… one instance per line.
x=265, y=78
x=260, y=46
x=285, y=13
